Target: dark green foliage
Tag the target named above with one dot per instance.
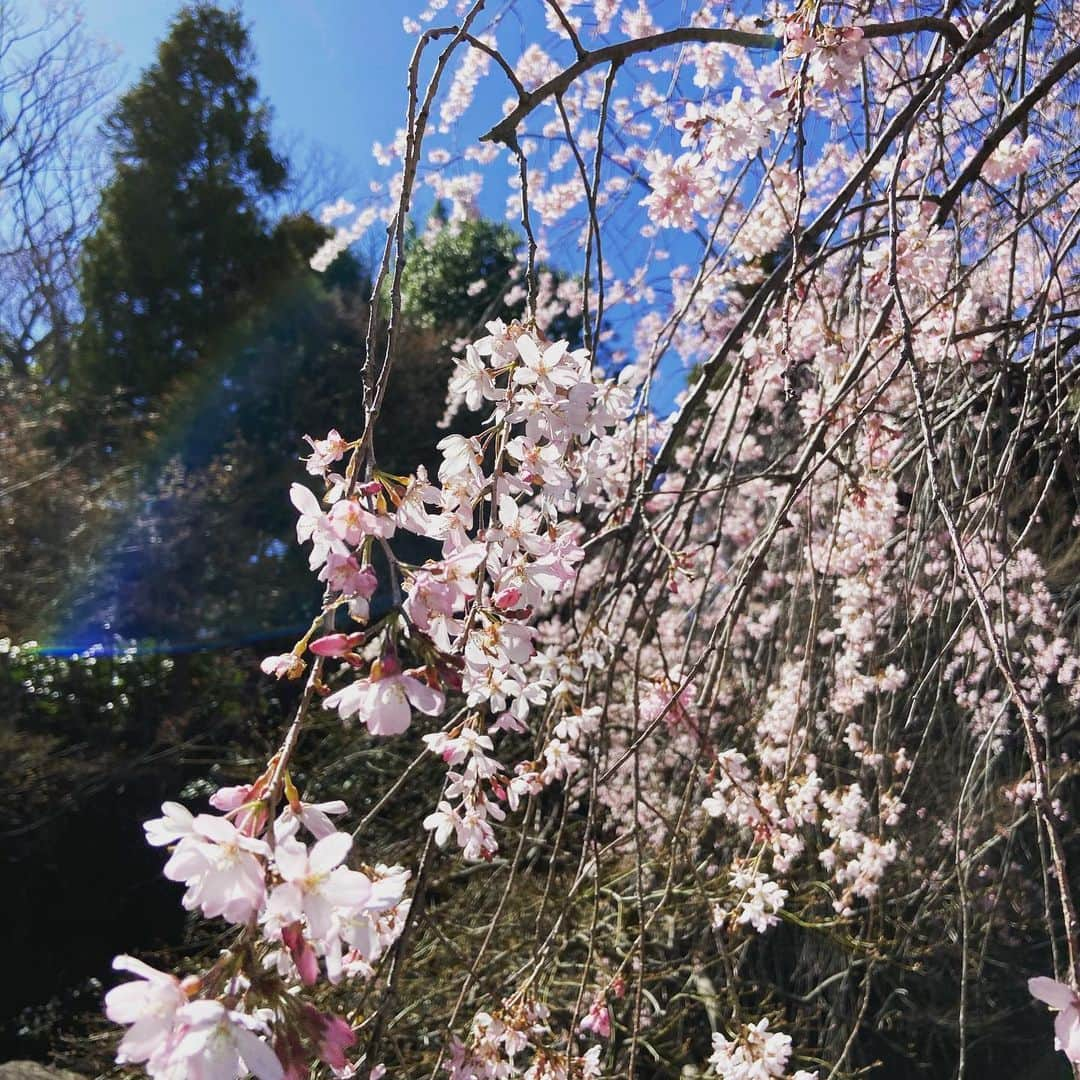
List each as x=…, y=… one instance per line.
x=208, y=348
x=444, y=261
x=448, y=258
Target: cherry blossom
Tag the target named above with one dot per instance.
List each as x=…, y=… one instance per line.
x=216, y=1043
x=224, y=870
x=732, y=563
x=384, y=701
x=756, y=1053
x=149, y=1005
x=315, y=882
x=1067, y=1022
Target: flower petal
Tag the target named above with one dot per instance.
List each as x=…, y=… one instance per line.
x=389, y=712
x=429, y=701
x=1056, y=995
x=257, y=1056
x=304, y=500
x=1067, y=1033
x=292, y=859
x=329, y=852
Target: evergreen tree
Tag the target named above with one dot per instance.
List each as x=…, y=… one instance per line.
x=184, y=247
x=458, y=274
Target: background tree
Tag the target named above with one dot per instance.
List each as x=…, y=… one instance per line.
x=53, y=79
x=196, y=172
x=455, y=272
x=459, y=274
x=194, y=346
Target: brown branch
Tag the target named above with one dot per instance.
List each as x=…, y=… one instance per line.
x=950, y=31
x=690, y=35
x=504, y=130
x=1009, y=122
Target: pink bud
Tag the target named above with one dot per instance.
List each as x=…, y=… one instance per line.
x=598, y=1020
x=302, y=953
x=230, y=798
x=331, y=1035
x=336, y=644
x=507, y=599
x=389, y=666
x=336, y=1036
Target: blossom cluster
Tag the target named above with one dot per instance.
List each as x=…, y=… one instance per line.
x=509, y=551
x=516, y=1040
x=755, y=1053
x=302, y=915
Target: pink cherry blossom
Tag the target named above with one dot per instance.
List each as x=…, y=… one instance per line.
x=1066, y=1001
x=316, y=525
x=149, y=1005
x=598, y=1020
x=315, y=817
x=216, y=1043
x=284, y=666
x=768, y=581
x=326, y=451
x=383, y=702
x=175, y=823
x=224, y=870
x=315, y=882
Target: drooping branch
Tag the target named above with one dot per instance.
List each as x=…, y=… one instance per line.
x=689, y=35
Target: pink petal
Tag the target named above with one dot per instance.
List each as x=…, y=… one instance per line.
x=307, y=963
x=286, y=903
x=1056, y=995
x=554, y=353
x=202, y=1013
x=389, y=712
x=230, y=798
x=528, y=350
x=304, y=500
x=329, y=852
x=349, y=700
x=215, y=828
x=347, y=888
x=175, y=824
x=257, y=1056
x=186, y=862
x=123, y=962
x=1067, y=1033
x=127, y=1003
x=429, y=701
x=292, y=859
